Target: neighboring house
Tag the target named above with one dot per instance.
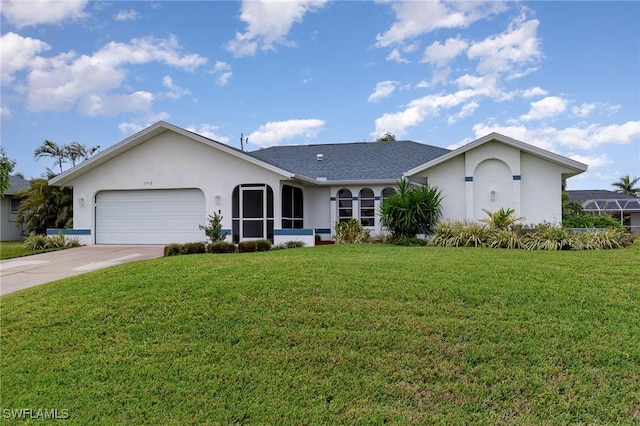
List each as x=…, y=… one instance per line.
x=625, y=208
x=10, y=229
x=160, y=184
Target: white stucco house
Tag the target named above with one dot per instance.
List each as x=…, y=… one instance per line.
x=159, y=185
x=10, y=229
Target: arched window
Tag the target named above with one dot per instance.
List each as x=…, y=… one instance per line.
x=367, y=207
x=386, y=193
x=252, y=212
x=345, y=205
x=292, y=211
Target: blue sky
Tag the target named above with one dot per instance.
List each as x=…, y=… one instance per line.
x=564, y=76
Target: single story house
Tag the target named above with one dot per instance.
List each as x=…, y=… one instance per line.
x=10, y=229
x=159, y=185
x=625, y=208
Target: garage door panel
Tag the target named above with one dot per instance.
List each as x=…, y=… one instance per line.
x=149, y=216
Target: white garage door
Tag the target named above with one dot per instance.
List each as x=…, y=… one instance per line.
x=150, y=217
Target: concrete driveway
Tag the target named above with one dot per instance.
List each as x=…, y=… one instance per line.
x=24, y=272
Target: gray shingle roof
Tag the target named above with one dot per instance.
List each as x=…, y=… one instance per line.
x=350, y=161
x=16, y=184
x=597, y=194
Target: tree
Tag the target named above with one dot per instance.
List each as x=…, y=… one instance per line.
x=628, y=186
x=53, y=150
x=411, y=210
x=44, y=206
x=76, y=152
x=6, y=167
x=501, y=219
x=387, y=137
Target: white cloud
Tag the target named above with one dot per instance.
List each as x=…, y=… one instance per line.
x=550, y=106
x=5, y=113
x=593, y=161
x=222, y=71
x=414, y=18
x=23, y=13
x=585, y=137
x=268, y=23
x=466, y=111
x=396, y=56
x=583, y=110
x=383, y=90
x=18, y=53
x=441, y=54
x=175, y=92
x=506, y=52
x=420, y=109
x=60, y=82
x=127, y=15
x=275, y=132
x=533, y=92
x=208, y=131
x=134, y=126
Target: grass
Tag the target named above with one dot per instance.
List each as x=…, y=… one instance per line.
x=342, y=334
x=12, y=249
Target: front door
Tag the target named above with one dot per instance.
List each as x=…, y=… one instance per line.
x=253, y=213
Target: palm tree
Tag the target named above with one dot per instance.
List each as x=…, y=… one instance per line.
x=44, y=206
x=51, y=149
x=76, y=151
x=626, y=185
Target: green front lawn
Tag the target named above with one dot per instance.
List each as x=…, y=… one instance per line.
x=342, y=334
x=11, y=249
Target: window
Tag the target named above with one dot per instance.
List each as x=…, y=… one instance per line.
x=367, y=207
x=292, y=207
x=345, y=205
x=387, y=192
x=15, y=205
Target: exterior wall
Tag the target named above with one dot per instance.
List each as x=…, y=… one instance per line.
x=449, y=178
x=171, y=161
x=9, y=228
x=493, y=176
x=541, y=190
x=355, y=193
x=317, y=209
x=634, y=222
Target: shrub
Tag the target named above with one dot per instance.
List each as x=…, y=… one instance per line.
x=173, y=250
x=214, y=230
x=194, y=248
x=411, y=210
x=409, y=242
x=73, y=242
x=504, y=238
x=551, y=237
x=591, y=221
x=221, y=247
x=263, y=245
x=501, y=219
x=43, y=242
x=350, y=232
x=247, y=247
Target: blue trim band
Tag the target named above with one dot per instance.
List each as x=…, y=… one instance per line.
x=377, y=198
x=333, y=198
x=354, y=198
x=54, y=231
x=323, y=231
x=468, y=178
x=225, y=231
x=293, y=232
x=517, y=177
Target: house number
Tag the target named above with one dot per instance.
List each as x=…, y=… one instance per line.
x=148, y=183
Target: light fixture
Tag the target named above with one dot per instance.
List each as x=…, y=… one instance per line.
x=217, y=199
x=493, y=195
x=81, y=201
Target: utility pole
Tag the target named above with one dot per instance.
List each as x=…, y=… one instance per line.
x=243, y=140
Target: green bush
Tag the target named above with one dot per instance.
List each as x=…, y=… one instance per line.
x=247, y=247
x=263, y=245
x=173, y=249
x=350, y=232
x=43, y=242
x=507, y=239
x=411, y=210
x=221, y=247
x=591, y=221
x=501, y=219
x=408, y=242
x=194, y=248
x=214, y=229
